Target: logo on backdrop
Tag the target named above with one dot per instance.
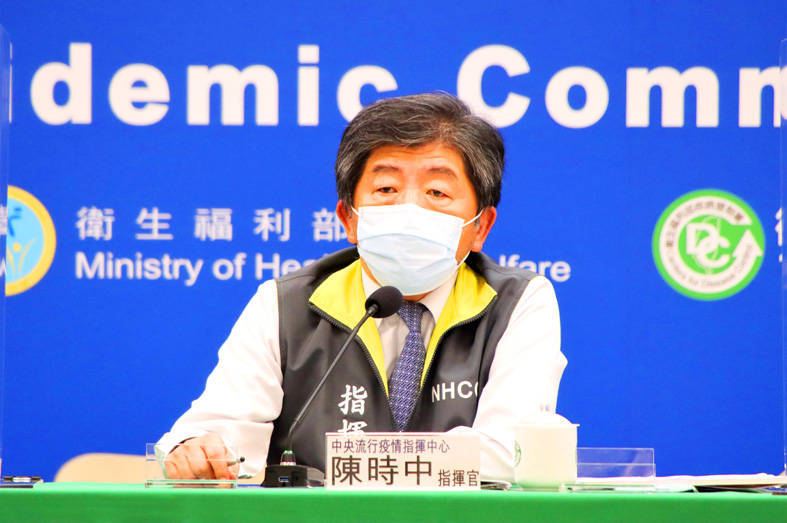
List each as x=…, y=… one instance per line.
x=30, y=241
x=708, y=244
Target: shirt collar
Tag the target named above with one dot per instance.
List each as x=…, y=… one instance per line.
x=434, y=301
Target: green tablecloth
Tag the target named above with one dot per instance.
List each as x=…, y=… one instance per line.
x=86, y=502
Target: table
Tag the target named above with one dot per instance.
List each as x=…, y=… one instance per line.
x=89, y=502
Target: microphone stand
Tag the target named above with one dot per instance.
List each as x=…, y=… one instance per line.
x=288, y=473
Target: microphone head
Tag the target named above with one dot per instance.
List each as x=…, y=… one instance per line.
x=388, y=300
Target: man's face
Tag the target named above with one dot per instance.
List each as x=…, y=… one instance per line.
x=432, y=176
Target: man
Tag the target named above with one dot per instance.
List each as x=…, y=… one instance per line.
x=474, y=348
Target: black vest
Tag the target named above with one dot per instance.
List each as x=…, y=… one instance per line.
x=355, y=396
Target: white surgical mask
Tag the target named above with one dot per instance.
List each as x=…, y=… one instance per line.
x=409, y=247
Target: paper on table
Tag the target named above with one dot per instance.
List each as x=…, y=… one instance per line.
x=727, y=480
x=718, y=480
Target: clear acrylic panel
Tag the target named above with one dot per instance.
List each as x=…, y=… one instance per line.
x=780, y=230
x=5, y=116
x=624, y=469
x=156, y=469
x=615, y=462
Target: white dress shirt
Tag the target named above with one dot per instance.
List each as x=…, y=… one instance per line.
x=393, y=330
x=243, y=393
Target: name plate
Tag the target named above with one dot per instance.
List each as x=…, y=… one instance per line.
x=408, y=460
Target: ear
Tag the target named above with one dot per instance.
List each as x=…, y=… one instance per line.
x=485, y=222
x=349, y=220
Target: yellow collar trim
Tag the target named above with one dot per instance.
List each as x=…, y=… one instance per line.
x=341, y=297
x=469, y=297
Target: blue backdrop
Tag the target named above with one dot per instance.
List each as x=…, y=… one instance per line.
x=610, y=114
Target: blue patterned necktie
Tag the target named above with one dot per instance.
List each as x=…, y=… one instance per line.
x=406, y=377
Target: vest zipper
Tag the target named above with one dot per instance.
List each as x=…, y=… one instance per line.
x=429, y=369
x=343, y=327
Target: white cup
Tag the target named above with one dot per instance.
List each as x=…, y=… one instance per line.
x=545, y=452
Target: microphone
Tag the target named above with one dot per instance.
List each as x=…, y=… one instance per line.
x=382, y=303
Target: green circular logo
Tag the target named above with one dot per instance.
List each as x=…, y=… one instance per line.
x=708, y=244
